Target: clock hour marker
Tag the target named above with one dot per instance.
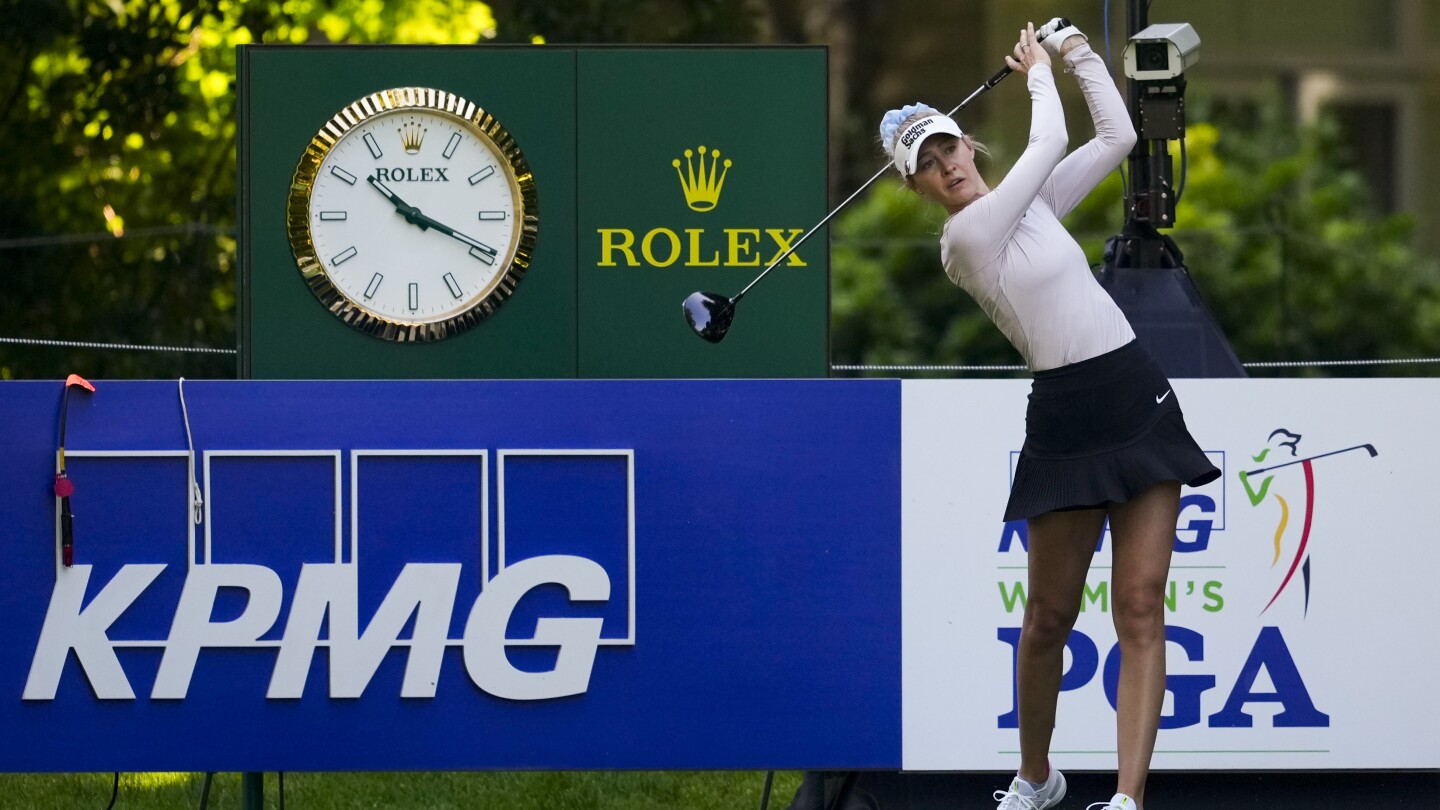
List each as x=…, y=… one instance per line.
x=343, y=175
x=373, y=285
x=450, y=147
x=414, y=296
x=343, y=256
x=338, y=216
x=492, y=216
x=452, y=284
x=481, y=175
x=487, y=258
x=372, y=145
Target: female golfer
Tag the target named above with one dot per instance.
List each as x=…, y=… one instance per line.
x=1104, y=435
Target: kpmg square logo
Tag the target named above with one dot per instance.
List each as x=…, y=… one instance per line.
x=297, y=558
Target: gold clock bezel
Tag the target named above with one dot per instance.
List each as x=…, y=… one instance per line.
x=515, y=168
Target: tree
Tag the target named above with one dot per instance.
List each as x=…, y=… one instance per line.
x=1282, y=238
x=123, y=114
x=1277, y=231
x=617, y=21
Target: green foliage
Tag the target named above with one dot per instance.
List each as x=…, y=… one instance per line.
x=612, y=21
x=119, y=122
x=1281, y=239
x=1277, y=231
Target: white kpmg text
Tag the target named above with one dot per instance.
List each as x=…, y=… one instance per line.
x=425, y=590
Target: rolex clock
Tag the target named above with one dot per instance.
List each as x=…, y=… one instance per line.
x=412, y=214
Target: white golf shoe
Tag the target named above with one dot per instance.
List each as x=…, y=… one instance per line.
x=1022, y=796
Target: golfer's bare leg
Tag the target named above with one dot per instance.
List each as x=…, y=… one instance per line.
x=1061, y=546
x=1142, y=533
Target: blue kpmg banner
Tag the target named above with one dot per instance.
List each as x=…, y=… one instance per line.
x=453, y=575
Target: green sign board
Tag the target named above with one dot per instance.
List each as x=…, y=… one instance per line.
x=656, y=172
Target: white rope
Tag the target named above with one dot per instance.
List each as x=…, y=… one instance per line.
x=1308, y=363
x=58, y=240
x=197, y=501
x=1257, y=364
x=81, y=344
x=927, y=368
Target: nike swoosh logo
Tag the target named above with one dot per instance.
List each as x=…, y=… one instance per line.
x=1161, y=398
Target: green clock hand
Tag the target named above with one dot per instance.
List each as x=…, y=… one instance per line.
x=424, y=221
x=416, y=217
x=401, y=207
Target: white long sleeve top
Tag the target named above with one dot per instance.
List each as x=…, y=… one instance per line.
x=1008, y=249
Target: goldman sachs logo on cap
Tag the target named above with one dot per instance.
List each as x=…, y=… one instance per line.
x=915, y=131
x=701, y=183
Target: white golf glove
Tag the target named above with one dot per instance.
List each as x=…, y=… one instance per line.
x=1053, y=34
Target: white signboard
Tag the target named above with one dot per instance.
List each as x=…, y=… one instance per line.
x=1300, y=608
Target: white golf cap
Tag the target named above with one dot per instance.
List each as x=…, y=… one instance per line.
x=908, y=142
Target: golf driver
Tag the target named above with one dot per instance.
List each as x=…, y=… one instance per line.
x=710, y=314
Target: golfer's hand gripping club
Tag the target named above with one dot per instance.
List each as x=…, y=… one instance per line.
x=1054, y=34
x=1060, y=25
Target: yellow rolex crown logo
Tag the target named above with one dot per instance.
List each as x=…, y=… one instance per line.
x=702, y=185
x=411, y=136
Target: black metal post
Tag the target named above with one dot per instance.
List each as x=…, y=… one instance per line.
x=1144, y=270
x=1137, y=16
x=252, y=790
x=1147, y=201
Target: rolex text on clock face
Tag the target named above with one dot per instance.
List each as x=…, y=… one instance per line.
x=416, y=220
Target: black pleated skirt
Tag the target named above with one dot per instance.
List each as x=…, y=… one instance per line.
x=1100, y=432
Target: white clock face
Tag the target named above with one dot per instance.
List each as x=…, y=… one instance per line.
x=413, y=216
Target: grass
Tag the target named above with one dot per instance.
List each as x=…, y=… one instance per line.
x=642, y=790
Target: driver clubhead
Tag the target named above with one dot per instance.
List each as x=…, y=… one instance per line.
x=709, y=315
